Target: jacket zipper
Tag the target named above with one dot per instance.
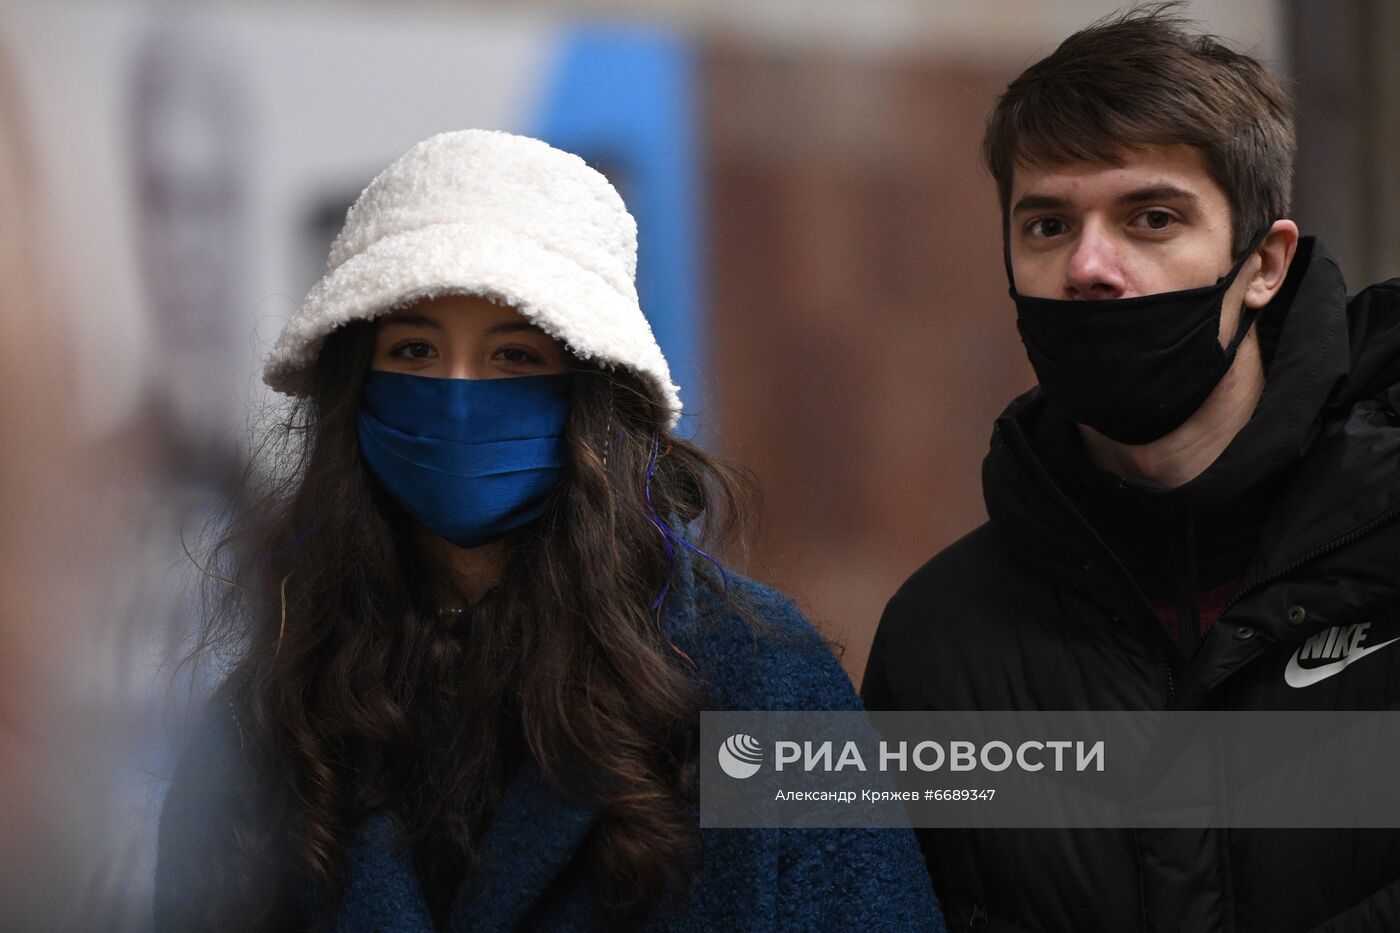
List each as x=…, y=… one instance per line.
x=1358, y=532
x=1168, y=683
x=1188, y=615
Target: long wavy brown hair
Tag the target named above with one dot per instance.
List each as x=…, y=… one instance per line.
x=343, y=656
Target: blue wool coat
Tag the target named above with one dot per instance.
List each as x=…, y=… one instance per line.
x=530, y=873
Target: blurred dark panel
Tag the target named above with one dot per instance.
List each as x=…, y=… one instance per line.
x=864, y=341
x=1347, y=81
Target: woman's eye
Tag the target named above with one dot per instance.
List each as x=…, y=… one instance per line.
x=1046, y=227
x=517, y=356
x=413, y=350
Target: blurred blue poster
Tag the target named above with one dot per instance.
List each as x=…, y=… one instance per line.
x=624, y=99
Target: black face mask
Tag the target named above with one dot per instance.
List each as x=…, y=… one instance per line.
x=1133, y=369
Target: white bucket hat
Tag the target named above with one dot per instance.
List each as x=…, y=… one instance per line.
x=481, y=212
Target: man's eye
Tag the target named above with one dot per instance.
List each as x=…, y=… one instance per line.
x=1157, y=220
x=1046, y=227
x=413, y=350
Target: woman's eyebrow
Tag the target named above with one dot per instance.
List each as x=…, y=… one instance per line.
x=512, y=327
x=416, y=320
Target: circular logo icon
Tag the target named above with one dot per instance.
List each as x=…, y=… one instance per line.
x=740, y=756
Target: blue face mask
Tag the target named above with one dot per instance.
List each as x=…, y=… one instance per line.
x=469, y=459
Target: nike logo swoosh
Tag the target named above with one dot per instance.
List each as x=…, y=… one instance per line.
x=1295, y=675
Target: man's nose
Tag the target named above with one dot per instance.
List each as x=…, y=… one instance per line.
x=1094, y=270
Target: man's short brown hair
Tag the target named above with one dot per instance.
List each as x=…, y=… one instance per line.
x=1140, y=78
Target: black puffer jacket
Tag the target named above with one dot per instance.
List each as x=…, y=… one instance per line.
x=1050, y=606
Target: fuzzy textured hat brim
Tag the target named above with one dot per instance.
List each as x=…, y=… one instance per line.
x=565, y=300
x=483, y=212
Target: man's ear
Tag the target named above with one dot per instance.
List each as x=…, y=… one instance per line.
x=1275, y=256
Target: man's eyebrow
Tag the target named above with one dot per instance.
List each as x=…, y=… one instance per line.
x=1157, y=193
x=1039, y=202
x=1048, y=202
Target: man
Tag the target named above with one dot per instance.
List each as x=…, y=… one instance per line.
x=1206, y=479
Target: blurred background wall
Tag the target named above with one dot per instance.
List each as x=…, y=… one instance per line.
x=819, y=257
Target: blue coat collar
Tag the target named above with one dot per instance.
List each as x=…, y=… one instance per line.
x=532, y=838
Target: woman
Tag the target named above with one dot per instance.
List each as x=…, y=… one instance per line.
x=472, y=700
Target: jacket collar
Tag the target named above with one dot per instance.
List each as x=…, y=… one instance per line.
x=1305, y=334
x=537, y=830
x=533, y=836
x=531, y=841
